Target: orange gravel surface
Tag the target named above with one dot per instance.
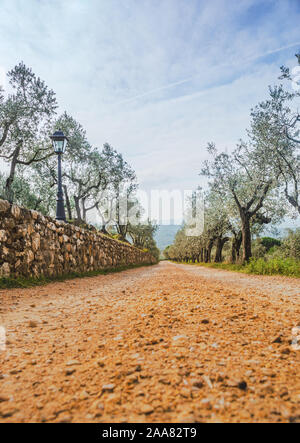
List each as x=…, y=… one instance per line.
x=168, y=343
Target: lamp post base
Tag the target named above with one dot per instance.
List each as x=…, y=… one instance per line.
x=60, y=209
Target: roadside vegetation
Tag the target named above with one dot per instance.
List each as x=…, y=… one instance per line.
x=282, y=258
x=95, y=179
x=287, y=267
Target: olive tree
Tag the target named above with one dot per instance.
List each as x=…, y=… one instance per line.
x=217, y=224
x=25, y=117
x=31, y=192
x=142, y=236
x=246, y=179
x=120, y=199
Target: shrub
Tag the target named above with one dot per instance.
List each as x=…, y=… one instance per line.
x=273, y=266
x=258, y=249
x=283, y=266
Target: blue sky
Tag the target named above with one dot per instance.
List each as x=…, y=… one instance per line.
x=157, y=79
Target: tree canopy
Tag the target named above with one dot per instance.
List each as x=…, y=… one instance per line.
x=94, y=179
x=256, y=184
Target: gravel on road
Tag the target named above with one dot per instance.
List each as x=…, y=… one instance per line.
x=167, y=343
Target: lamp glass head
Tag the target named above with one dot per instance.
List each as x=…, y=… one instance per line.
x=59, y=142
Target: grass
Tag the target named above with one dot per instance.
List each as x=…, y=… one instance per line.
x=275, y=266
x=29, y=282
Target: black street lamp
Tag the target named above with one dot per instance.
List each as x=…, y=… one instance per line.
x=59, y=142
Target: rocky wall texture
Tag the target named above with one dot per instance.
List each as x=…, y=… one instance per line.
x=34, y=245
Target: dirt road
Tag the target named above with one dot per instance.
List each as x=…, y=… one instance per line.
x=169, y=343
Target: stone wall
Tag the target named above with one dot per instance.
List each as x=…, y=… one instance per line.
x=34, y=245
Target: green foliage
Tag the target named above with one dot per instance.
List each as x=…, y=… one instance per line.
x=92, y=177
x=258, y=249
x=116, y=236
x=25, y=118
x=263, y=246
x=291, y=244
x=282, y=266
x=252, y=186
x=279, y=257
x=258, y=183
x=27, y=194
x=274, y=132
x=269, y=242
x=142, y=235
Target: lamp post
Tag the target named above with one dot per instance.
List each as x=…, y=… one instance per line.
x=59, y=142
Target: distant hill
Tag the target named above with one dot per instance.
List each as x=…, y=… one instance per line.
x=165, y=235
